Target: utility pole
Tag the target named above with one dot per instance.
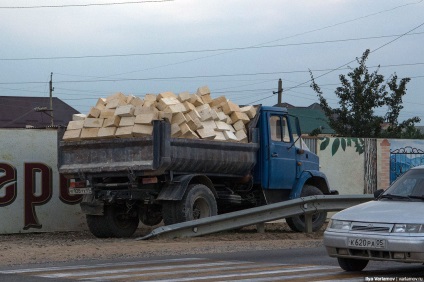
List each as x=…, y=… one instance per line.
x=51, y=89
x=279, y=92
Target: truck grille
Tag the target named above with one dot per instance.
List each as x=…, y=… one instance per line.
x=371, y=227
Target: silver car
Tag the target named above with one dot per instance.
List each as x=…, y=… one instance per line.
x=391, y=228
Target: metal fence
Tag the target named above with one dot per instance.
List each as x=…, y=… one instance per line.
x=402, y=159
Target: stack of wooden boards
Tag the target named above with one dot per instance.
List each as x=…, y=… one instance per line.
x=191, y=116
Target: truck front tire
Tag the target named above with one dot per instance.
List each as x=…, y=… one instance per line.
x=116, y=222
x=297, y=223
x=197, y=202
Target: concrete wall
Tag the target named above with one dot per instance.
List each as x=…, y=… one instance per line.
x=33, y=197
x=344, y=166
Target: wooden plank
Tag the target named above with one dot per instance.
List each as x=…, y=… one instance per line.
x=239, y=125
x=184, y=96
x=203, y=90
x=75, y=124
x=165, y=116
x=141, y=130
x=113, y=104
x=175, y=130
x=93, y=122
x=178, y=118
x=112, y=121
x=241, y=136
x=106, y=132
x=223, y=126
x=124, y=132
x=164, y=103
x=89, y=133
x=126, y=121
x=150, y=98
x=94, y=113
x=125, y=111
x=72, y=135
x=117, y=95
x=167, y=94
x=236, y=116
x=250, y=111
x=218, y=101
x=229, y=107
x=137, y=102
x=146, y=118
x=206, y=133
x=230, y=136
x=107, y=113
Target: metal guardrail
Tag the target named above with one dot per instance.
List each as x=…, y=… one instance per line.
x=259, y=215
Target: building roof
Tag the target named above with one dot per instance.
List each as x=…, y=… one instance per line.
x=21, y=112
x=310, y=118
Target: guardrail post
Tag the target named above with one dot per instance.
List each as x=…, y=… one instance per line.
x=260, y=227
x=308, y=222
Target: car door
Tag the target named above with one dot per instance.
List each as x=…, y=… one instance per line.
x=281, y=155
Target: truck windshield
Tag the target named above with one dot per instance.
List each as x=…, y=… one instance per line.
x=410, y=184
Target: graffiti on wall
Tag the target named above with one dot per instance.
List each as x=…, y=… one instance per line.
x=342, y=143
x=33, y=174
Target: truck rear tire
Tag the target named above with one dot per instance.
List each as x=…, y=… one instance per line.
x=98, y=226
x=297, y=223
x=198, y=202
x=116, y=222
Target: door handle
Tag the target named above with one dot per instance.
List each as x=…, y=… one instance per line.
x=274, y=155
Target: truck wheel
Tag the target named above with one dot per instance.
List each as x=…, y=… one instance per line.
x=198, y=202
x=297, y=223
x=349, y=264
x=150, y=215
x=121, y=222
x=98, y=226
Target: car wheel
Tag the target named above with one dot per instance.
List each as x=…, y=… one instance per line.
x=349, y=264
x=297, y=223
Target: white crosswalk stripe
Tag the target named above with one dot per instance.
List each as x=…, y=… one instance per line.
x=188, y=269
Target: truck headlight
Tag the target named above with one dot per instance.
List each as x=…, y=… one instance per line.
x=339, y=224
x=408, y=228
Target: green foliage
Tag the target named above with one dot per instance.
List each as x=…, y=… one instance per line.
x=361, y=93
x=343, y=143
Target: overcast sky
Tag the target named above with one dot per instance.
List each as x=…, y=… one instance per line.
x=239, y=48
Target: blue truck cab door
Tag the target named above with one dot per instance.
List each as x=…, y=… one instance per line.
x=281, y=152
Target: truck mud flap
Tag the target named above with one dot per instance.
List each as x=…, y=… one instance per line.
x=91, y=206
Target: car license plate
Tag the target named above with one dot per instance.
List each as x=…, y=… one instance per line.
x=366, y=243
x=79, y=191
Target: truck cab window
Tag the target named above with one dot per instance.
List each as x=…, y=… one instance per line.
x=279, y=129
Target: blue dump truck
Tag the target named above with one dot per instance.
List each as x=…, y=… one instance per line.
x=150, y=179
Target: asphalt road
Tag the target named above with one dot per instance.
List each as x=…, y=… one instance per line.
x=309, y=264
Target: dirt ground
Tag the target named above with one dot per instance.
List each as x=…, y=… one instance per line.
x=69, y=246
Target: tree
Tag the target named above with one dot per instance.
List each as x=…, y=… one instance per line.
x=361, y=93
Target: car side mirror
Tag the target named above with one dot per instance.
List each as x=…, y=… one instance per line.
x=377, y=193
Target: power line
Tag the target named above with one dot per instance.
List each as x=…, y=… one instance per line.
x=212, y=76
x=338, y=68
x=202, y=50
x=85, y=5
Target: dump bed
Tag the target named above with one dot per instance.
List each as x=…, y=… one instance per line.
x=155, y=155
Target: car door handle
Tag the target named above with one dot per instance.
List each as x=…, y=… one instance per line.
x=274, y=155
